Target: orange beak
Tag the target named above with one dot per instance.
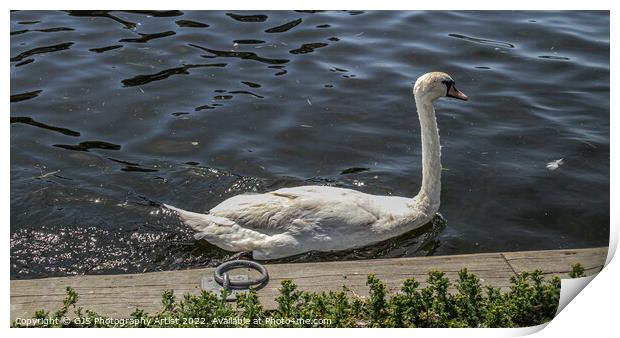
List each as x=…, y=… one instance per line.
x=455, y=93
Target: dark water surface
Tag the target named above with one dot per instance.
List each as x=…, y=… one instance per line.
x=112, y=109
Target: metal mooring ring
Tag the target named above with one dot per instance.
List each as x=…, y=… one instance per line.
x=222, y=278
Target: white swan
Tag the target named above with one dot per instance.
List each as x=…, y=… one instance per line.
x=290, y=221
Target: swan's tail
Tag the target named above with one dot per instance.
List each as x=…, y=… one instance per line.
x=221, y=231
x=199, y=222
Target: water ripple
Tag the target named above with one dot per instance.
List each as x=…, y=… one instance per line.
x=25, y=96
x=554, y=57
x=191, y=24
x=44, y=30
x=105, y=49
x=25, y=62
x=87, y=145
x=32, y=122
x=157, y=14
x=42, y=50
x=251, y=84
x=248, y=42
x=246, y=92
x=132, y=168
x=248, y=18
x=144, y=38
x=103, y=14
x=240, y=55
x=140, y=80
x=483, y=41
x=284, y=27
x=308, y=48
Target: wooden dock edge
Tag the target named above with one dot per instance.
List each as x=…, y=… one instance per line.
x=117, y=296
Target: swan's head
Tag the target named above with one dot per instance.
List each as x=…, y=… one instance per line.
x=435, y=85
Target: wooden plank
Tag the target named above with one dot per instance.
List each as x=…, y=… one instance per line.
x=119, y=295
x=557, y=262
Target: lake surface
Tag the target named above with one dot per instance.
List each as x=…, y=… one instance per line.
x=111, y=110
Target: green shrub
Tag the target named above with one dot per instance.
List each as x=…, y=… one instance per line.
x=531, y=300
x=577, y=271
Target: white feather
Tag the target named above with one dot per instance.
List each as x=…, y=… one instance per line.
x=553, y=165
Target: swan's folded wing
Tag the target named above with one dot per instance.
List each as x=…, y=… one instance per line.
x=299, y=209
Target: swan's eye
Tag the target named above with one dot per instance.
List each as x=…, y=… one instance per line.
x=449, y=84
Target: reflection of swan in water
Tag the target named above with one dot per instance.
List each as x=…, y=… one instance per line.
x=290, y=221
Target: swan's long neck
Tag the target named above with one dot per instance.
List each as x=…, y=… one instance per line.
x=431, y=153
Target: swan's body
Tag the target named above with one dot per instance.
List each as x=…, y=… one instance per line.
x=294, y=220
x=289, y=221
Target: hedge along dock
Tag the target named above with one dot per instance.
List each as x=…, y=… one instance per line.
x=117, y=296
